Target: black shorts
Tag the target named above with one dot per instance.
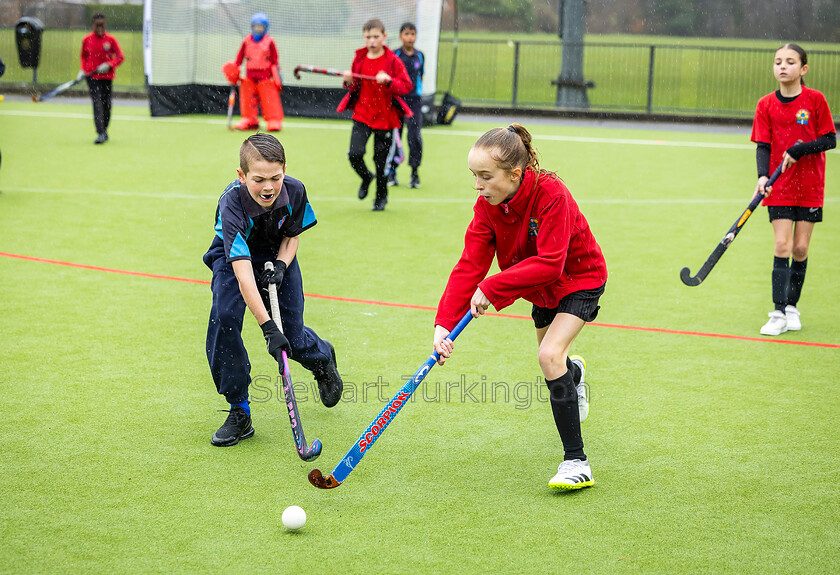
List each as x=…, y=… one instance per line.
x=795, y=213
x=583, y=304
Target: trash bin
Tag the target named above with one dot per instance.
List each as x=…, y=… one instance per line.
x=28, y=31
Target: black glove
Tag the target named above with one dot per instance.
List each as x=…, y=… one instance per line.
x=276, y=341
x=274, y=277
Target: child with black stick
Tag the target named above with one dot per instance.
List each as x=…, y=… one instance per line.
x=377, y=107
x=792, y=127
x=547, y=255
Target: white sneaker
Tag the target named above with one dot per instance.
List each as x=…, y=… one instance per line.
x=582, y=390
x=777, y=324
x=792, y=317
x=572, y=474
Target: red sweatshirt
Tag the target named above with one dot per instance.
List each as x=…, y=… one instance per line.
x=542, y=243
x=96, y=51
x=378, y=105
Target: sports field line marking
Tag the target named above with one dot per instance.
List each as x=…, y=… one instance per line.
x=423, y=307
x=345, y=126
x=466, y=200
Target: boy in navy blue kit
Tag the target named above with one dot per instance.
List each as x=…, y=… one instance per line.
x=259, y=219
x=413, y=60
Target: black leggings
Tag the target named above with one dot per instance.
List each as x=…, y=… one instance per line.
x=100, y=93
x=381, y=144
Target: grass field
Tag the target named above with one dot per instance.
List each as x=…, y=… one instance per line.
x=714, y=449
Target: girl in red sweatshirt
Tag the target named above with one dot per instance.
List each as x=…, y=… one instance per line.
x=527, y=218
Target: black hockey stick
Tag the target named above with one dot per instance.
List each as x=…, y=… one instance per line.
x=57, y=90
x=306, y=452
x=685, y=273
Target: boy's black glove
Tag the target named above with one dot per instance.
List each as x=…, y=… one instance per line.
x=274, y=277
x=276, y=341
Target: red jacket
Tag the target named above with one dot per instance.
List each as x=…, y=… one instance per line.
x=96, y=51
x=377, y=105
x=542, y=243
x=261, y=57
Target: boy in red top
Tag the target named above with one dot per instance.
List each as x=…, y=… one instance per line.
x=377, y=107
x=792, y=127
x=548, y=256
x=101, y=55
x=262, y=78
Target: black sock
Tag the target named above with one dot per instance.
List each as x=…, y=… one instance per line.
x=797, y=278
x=413, y=170
x=564, y=407
x=575, y=369
x=780, y=281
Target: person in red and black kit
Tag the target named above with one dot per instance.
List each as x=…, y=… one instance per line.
x=547, y=255
x=101, y=55
x=377, y=107
x=792, y=127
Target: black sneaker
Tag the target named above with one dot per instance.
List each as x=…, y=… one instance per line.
x=363, y=189
x=329, y=381
x=101, y=139
x=236, y=427
x=415, y=181
x=379, y=205
x=392, y=178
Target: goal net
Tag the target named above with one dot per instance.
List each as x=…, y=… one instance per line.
x=186, y=42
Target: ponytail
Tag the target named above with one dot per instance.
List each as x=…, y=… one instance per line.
x=510, y=148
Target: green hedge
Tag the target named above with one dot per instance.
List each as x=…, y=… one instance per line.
x=119, y=17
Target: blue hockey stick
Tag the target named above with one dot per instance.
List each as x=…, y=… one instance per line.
x=378, y=425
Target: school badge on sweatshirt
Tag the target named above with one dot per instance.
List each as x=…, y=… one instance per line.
x=533, y=227
x=802, y=117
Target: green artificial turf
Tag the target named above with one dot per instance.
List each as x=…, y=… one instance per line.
x=710, y=454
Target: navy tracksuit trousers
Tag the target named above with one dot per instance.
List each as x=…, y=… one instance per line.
x=226, y=352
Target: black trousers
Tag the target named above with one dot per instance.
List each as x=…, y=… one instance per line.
x=413, y=125
x=381, y=144
x=100, y=93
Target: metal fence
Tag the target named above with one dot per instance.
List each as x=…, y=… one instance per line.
x=643, y=78
x=640, y=78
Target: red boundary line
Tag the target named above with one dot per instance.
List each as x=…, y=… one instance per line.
x=426, y=307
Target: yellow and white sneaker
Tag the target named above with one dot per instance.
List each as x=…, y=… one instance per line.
x=572, y=474
x=582, y=389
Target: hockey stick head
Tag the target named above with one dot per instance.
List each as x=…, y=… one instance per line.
x=313, y=452
x=35, y=98
x=685, y=276
x=297, y=72
x=317, y=479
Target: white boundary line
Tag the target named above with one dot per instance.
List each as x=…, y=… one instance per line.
x=465, y=200
x=345, y=126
